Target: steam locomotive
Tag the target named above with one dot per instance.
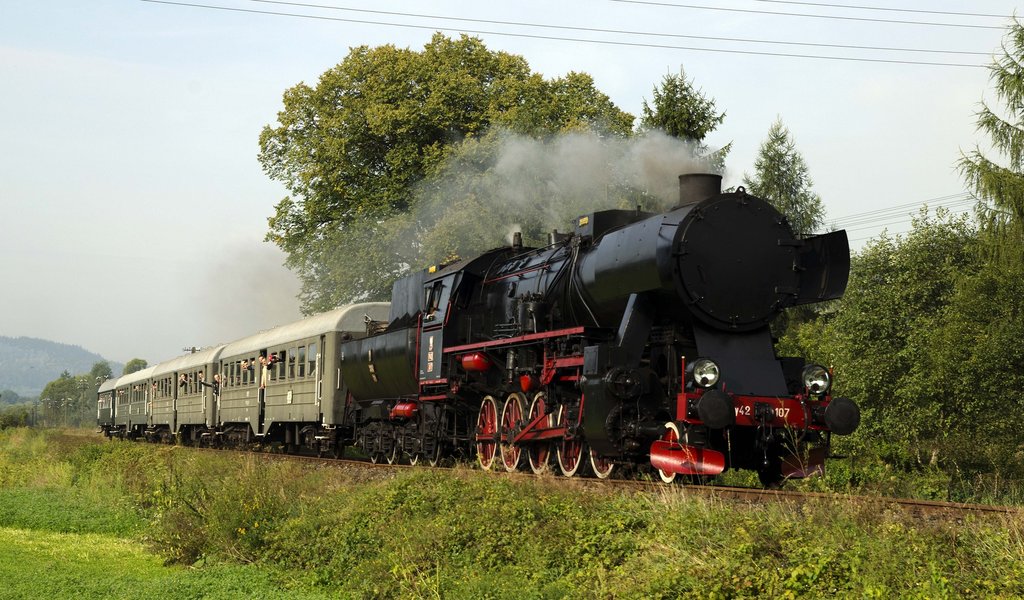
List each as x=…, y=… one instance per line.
x=635, y=341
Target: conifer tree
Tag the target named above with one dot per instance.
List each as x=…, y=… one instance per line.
x=1001, y=184
x=781, y=177
x=681, y=110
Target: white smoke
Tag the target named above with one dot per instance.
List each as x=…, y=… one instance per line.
x=542, y=184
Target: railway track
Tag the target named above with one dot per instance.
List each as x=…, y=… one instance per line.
x=923, y=509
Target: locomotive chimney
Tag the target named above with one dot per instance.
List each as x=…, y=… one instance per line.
x=694, y=187
x=517, y=240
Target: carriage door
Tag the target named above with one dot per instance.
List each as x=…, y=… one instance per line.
x=318, y=366
x=264, y=378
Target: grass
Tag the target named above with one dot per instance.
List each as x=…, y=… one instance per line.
x=111, y=515
x=43, y=564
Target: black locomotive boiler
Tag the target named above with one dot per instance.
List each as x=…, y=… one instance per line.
x=637, y=339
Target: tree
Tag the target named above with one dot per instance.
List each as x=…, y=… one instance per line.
x=352, y=149
x=1002, y=184
x=101, y=371
x=781, y=177
x=135, y=364
x=979, y=353
x=882, y=336
x=9, y=397
x=67, y=399
x=682, y=110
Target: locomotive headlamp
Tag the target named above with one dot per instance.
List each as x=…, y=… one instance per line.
x=817, y=380
x=705, y=372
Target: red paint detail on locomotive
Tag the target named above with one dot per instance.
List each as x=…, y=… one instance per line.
x=404, y=410
x=527, y=382
x=476, y=361
x=516, y=340
x=536, y=432
x=791, y=412
x=673, y=457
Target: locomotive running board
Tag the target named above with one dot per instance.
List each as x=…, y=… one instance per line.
x=673, y=457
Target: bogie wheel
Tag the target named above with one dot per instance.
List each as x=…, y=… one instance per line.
x=538, y=454
x=569, y=452
x=671, y=435
x=486, y=433
x=511, y=422
x=602, y=466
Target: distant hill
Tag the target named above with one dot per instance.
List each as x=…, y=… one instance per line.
x=28, y=364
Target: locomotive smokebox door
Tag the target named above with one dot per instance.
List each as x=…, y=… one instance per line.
x=735, y=263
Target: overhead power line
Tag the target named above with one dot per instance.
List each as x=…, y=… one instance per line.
x=565, y=39
x=889, y=9
x=884, y=218
x=616, y=31
x=805, y=15
x=888, y=211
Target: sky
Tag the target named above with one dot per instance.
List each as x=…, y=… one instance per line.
x=133, y=208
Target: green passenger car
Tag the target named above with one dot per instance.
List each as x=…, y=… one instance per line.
x=284, y=386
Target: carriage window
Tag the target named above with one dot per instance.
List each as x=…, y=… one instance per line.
x=302, y=361
x=312, y=359
x=291, y=364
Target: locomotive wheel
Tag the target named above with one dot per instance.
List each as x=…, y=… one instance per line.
x=486, y=433
x=602, y=466
x=569, y=452
x=538, y=454
x=671, y=435
x=511, y=422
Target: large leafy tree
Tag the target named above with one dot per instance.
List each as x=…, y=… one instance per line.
x=979, y=353
x=101, y=371
x=927, y=337
x=352, y=149
x=880, y=338
x=680, y=109
x=135, y=364
x=781, y=177
x=68, y=399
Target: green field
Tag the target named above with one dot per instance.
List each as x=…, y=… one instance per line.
x=44, y=564
x=85, y=518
